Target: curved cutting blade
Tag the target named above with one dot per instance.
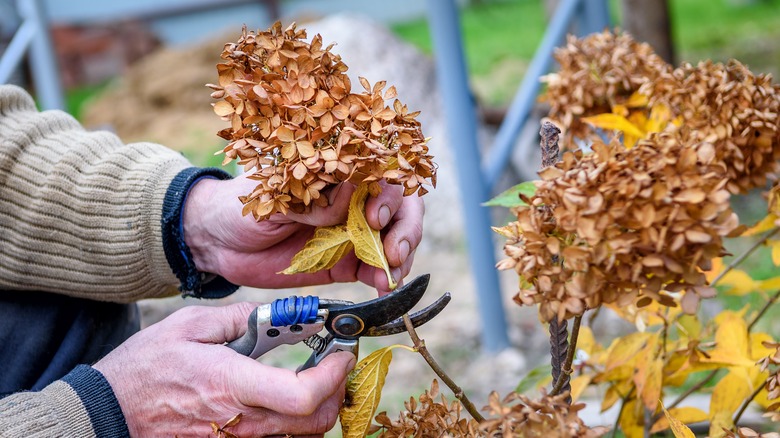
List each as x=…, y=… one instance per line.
x=418, y=318
x=378, y=311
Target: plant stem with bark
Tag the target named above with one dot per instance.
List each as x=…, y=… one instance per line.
x=559, y=333
x=419, y=345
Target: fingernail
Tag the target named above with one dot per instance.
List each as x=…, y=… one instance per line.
x=403, y=250
x=351, y=364
x=384, y=215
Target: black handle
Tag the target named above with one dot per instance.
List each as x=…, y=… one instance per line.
x=246, y=344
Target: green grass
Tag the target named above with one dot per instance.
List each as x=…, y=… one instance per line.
x=75, y=98
x=501, y=36
x=492, y=31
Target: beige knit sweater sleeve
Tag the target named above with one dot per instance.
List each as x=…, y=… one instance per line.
x=80, y=211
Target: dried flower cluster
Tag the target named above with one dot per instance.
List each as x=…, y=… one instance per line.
x=620, y=224
x=773, y=381
x=731, y=108
x=295, y=120
x=746, y=432
x=595, y=74
x=728, y=106
x=517, y=415
x=617, y=224
x=427, y=418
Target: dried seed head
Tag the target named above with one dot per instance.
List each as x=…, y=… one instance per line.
x=295, y=122
x=619, y=224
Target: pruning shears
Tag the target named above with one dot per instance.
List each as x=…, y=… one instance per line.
x=300, y=319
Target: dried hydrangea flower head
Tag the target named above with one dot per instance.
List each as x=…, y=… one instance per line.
x=548, y=416
x=729, y=107
x=295, y=120
x=596, y=73
x=616, y=224
x=630, y=224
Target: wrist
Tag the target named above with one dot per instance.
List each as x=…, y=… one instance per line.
x=197, y=224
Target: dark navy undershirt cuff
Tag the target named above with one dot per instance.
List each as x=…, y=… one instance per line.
x=193, y=282
x=101, y=404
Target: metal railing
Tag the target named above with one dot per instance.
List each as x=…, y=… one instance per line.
x=476, y=180
x=32, y=38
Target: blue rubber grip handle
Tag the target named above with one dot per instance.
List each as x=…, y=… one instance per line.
x=294, y=310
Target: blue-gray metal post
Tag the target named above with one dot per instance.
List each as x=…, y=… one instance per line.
x=592, y=17
x=14, y=53
x=462, y=133
x=43, y=62
x=525, y=98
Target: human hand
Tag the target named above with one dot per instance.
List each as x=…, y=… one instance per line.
x=176, y=377
x=250, y=253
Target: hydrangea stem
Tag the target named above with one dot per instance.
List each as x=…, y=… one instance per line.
x=419, y=345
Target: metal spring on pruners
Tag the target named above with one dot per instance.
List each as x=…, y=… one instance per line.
x=316, y=343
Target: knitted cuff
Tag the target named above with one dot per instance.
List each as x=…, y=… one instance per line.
x=193, y=283
x=99, y=400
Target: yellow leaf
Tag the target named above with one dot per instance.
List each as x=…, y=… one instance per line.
x=585, y=340
x=620, y=110
x=364, y=389
x=637, y=100
x=731, y=342
x=639, y=119
x=322, y=251
x=614, y=122
x=765, y=224
x=715, y=270
x=367, y=241
x=685, y=415
x=625, y=348
x=775, y=244
x=578, y=385
x=649, y=380
x=659, y=118
x=739, y=281
x=757, y=349
x=770, y=284
x=632, y=420
x=726, y=398
x=679, y=429
x=718, y=423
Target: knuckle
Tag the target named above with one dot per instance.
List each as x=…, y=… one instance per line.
x=305, y=403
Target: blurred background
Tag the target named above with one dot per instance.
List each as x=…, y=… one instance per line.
x=139, y=68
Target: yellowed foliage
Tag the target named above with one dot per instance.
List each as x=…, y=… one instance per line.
x=684, y=415
x=614, y=122
x=364, y=389
x=632, y=420
x=726, y=398
x=623, y=350
x=775, y=245
x=578, y=385
x=367, y=241
x=322, y=251
x=679, y=429
x=731, y=342
x=764, y=225
x=649, y=374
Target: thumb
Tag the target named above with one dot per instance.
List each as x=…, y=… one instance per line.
x=286, y=392
x=213, y=325
x=332, y=214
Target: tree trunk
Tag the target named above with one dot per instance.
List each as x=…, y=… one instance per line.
x=648, y=21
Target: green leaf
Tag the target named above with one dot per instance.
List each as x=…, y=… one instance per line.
x=535, y=378
x=511, y=197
